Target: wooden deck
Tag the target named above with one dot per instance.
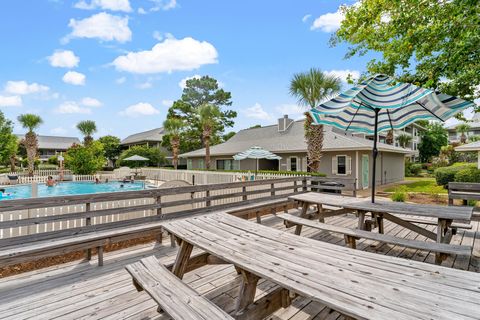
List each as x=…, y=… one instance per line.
x=81, y=290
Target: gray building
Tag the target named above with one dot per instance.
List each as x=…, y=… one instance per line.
x=49, y=146
x=150, y=138
x=474, y=124
x=344, y=155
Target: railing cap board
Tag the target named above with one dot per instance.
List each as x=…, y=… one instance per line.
x=463, y=186
x=46, y=202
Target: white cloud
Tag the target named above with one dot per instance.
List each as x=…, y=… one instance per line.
x=257, y=112
x=168, y=56
x=121, y=80
x=293, y=110
x=75, y=78
x=306, y=17
x=10, y=101
x=113, y=5
x=58, y=130
x=71, y=107
x=91, y=102
x=103, y=26
x=64, y=59
x=144, y=85
x=22, y=87
x=167, y=103
x=343, y=74
x=139, y=109
x=141, y=11
x=328, y=22
x=163, y=5
x=183, y=83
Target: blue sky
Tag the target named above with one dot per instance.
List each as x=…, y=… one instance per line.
x=121, y=63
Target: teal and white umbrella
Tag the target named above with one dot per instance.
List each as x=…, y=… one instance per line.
x=380, y=103
x=256, y=153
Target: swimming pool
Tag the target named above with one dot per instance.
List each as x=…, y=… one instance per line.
x=68, y=188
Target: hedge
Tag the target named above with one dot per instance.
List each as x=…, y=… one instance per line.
x=468, y=175
x=445, y=175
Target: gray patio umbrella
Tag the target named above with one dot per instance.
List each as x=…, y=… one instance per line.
x=136, y=158
x=380, y=103
x=256, y=153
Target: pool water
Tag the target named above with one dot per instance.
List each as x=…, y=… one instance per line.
x=68, y=188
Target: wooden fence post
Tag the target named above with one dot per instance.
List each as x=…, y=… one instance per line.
x=304, y=184
x=158, y=201
x=244, y=191
x=272, y=189
x=207, y=195
x=88, y=222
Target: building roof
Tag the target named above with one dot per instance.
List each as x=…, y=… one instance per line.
x=155, y=135
x=290, y=141
x=54, y=142
x=474, y=146
x=474, y=123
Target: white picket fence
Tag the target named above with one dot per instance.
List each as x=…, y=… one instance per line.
x=69, y=177
x=41, y=173
x=207, y=177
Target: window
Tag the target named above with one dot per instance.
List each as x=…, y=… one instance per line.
x=227, y=164
x=189, y=164
x=201, y=164
x=293, y=164
x=341, y=165
x=414, y=146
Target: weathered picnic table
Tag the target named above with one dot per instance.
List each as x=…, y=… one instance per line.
x=358, y=284
x=444, y=215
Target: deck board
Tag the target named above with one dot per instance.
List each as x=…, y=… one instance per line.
x=82, y=290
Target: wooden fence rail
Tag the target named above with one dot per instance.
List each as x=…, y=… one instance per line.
x=53, y=214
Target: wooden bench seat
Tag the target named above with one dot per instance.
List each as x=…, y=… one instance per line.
x=173, y=296
x=31, y=247
x=455, y=225
x=351, y=235
x=464, y=191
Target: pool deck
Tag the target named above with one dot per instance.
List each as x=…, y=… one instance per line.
x=81, y=290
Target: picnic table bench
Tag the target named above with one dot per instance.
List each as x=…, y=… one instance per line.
x=173, y=296
x=394, y=212
x=358, y=284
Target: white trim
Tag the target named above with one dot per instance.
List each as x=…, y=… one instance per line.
x=356, y=170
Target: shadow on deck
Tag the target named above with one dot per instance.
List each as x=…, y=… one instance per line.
x=83, y=290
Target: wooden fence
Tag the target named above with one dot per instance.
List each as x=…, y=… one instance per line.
x=198, y=177
x=70, y=213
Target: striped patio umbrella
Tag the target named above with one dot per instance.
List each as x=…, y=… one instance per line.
x=256, y=153
x=380, y=103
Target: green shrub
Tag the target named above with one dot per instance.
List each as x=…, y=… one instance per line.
x=53, y=160
x=400, y=194
x=46, y=166
x=447, y=174
x=470, y=174
x=412, y=169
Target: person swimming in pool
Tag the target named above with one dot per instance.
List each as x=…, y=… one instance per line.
x=3, y=193
x=50, y=182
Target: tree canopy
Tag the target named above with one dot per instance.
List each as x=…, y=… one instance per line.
x=200, y=91
x=434, y=44
x=8, y=141
x=433, y=139
x=111, y=147
x=155, y=157
x=85, y=159
x=87, y=128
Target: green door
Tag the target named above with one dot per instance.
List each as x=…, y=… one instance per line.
x=365, y=166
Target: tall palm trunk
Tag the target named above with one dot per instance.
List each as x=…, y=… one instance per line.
x=314, y=139
x=12, y=159
x=31, y=145
x=206, y=139
x=175, y=142
x=389, y=138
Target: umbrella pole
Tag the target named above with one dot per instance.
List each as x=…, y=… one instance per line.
x=375, y=153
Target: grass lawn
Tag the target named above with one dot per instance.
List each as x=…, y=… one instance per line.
x=426, y=185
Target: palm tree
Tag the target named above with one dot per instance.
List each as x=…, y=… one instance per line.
x=30, y=122
x=87, y=128
x=208, y=116
x=463, y=128
x=311, y=89
x=389, y=138
x=404, y=139
x=174, y=127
